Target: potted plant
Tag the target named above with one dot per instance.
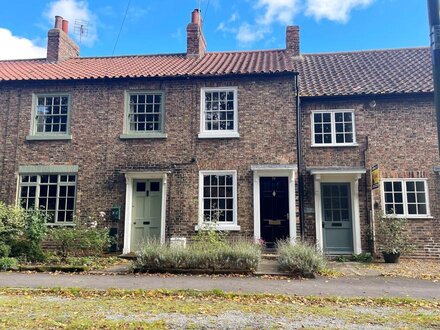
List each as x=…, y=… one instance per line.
x=392, y=237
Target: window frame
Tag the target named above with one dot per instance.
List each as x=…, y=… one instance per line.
x=218, y=134
x=127, y=133
x=405, y=198
x=37, y=186
x=34, y=135
x=232, y=226
x=332, y=113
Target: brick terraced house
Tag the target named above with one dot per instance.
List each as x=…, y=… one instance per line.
x=267, y=144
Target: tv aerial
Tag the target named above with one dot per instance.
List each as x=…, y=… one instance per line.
x=81, y=28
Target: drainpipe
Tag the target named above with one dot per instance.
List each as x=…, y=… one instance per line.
x=434, y=29
x=299, y=160
x=367, y=210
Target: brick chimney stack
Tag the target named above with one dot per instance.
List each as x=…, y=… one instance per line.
x=60, y=46
x=196, y=44
x=292, y=40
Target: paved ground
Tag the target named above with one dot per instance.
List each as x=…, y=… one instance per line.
x=348, y=286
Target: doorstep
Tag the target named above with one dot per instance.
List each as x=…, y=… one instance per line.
x=128, y=256
x=269, y=267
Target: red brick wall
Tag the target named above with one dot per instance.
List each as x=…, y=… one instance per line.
x=266, y=110
x=402, y=140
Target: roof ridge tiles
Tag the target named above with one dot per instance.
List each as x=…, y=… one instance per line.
x=367, y=51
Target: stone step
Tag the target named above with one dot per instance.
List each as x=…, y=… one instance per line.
x=269, y=267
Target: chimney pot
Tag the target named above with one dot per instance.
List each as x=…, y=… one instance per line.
x=58, y=22
x=65, y=26
x=195, y=17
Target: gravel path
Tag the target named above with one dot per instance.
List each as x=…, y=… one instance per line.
x=240, y=320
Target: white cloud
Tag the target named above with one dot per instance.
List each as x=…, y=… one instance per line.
x=334, y=10
x=270, y=12
x=281, y=11
x=248, y=34
x=226, y=26
x=14, y=47
x=73, y=10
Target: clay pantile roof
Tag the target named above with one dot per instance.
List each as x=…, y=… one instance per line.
x=171, y=65
x=331, y=74
x=366, y=72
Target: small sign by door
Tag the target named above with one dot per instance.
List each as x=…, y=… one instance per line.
x=375, y=177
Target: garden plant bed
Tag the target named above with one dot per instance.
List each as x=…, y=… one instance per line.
x=162, y=309
x=194, y=271
x=71, y=265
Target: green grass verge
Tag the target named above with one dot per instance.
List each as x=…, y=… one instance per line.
x=75, y=308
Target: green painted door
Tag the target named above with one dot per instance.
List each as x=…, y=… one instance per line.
x=146, y=214
x=337, y=218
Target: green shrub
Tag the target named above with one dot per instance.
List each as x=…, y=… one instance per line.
x=239, y=256
x=82, y=239
x=12, y=222
x=27, y=246
x=300, y=259
x=391, y=234
x=362, y=257
x=21, y=232
x=7, y=263
x=4, y=249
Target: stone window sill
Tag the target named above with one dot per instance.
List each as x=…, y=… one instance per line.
x=220, y=227
x=129, y=136
x=228, y=135
x=48, y=137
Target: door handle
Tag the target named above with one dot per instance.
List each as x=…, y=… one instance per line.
x=146, y=222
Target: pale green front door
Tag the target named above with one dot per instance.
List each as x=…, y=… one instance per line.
x=146, y=214
x=337, y=218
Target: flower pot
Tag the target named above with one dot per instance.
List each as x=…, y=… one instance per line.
x=391, y=258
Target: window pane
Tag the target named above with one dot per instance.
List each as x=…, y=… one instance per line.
x=317, y=118
x=397, y=186
x=411, y=197
x=410, y=186
x=398, y=197
x=388, y=186
x=412, y=209
x=347, y=116
x=338, y=117
x=399, y=209
x=326, y=117
x=388, y=198
x=420, y=186
x=422, y=209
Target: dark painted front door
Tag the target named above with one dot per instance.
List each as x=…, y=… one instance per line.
x=337, y=218
x=274, y=209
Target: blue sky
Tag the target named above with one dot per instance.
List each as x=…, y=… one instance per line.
x=154, y=26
